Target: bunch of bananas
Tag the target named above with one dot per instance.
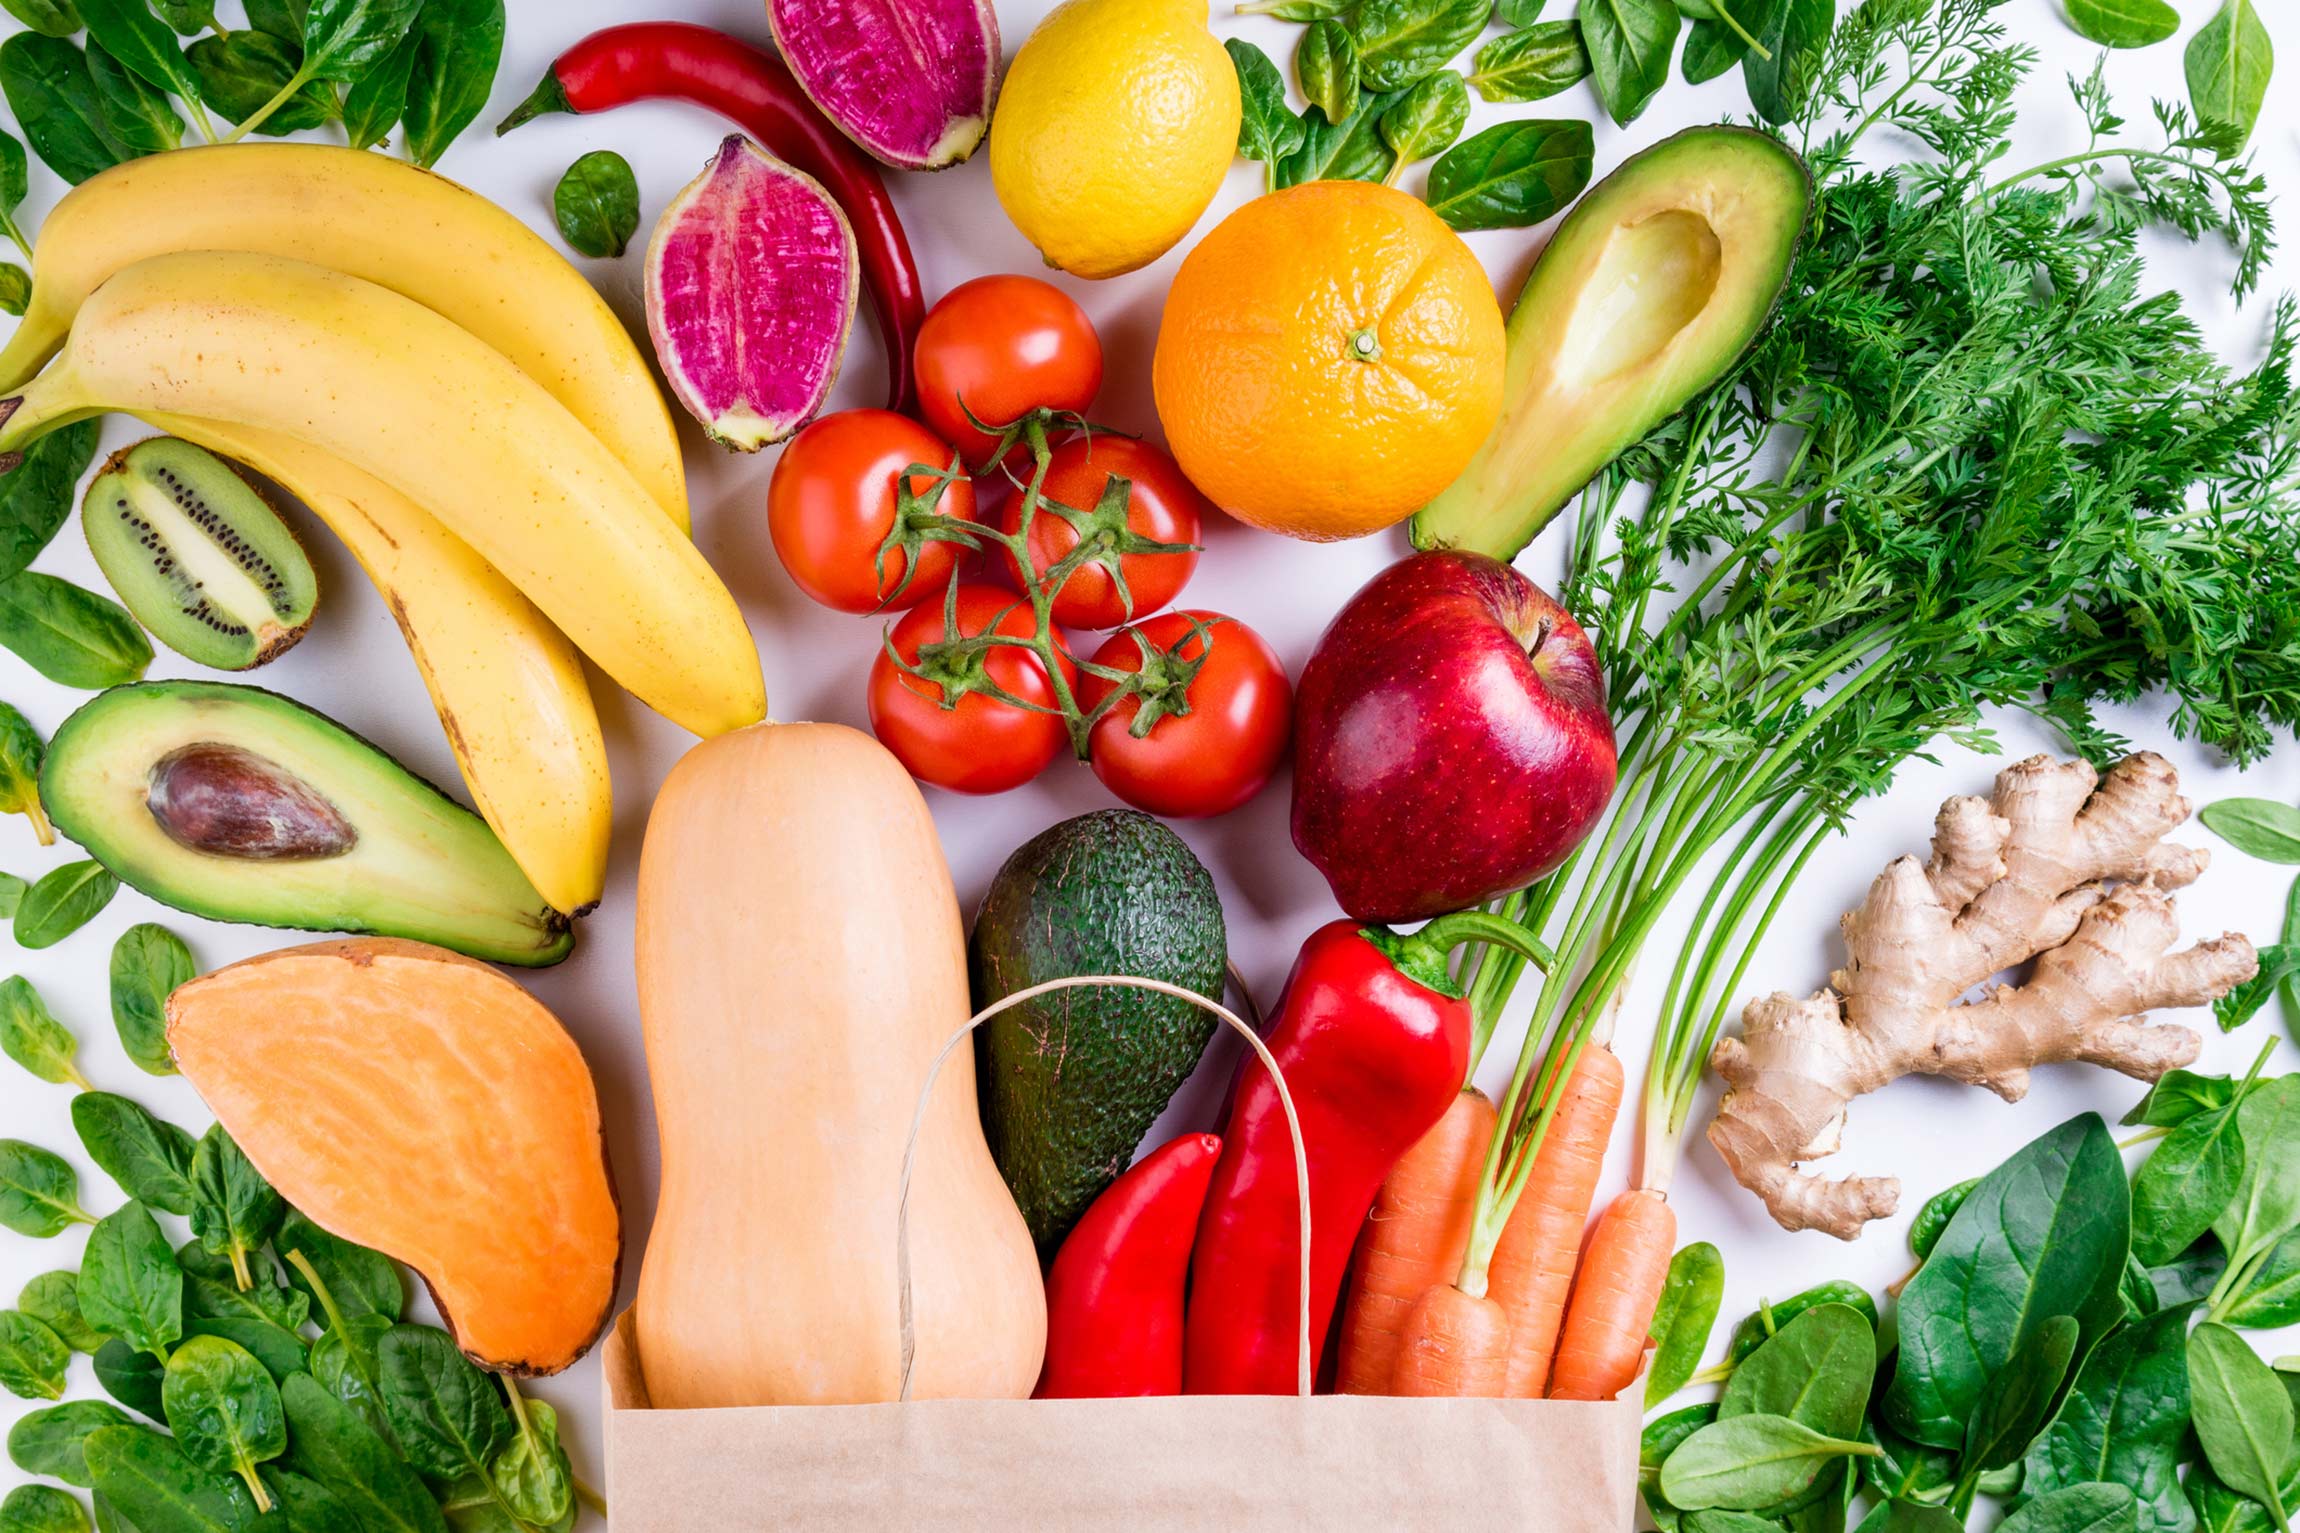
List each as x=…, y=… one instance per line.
x=453, y=400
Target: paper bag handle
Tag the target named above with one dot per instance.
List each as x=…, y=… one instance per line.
x=1120, y=981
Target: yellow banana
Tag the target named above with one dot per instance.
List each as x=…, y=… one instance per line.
x=393, y=388
x=507, y=685
x=417, y=233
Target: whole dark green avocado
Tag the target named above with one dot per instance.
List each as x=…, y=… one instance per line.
x=1071, y=1082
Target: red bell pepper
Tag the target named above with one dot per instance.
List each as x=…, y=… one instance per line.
x=678, y=61
x=1373, y=1038
x=1114, y=1294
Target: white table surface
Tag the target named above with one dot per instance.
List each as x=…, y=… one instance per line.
x=354, y=667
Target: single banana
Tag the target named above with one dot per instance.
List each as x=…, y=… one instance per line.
x=417, y=233
x=507, y=685
x=393, y=388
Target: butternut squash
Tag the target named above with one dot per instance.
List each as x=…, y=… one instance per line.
x=800, y=964
x=415, y=1101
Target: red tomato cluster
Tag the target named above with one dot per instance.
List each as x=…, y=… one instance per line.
x=1208, y=721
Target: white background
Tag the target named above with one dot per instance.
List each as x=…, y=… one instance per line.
x=354, y=667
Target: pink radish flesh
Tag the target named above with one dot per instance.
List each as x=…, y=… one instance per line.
x=909, y=80
x=750, y=287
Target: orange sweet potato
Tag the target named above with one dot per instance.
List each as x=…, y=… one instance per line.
x=423, y=1104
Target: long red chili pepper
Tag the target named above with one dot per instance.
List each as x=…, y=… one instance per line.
x=1373, y=1036
x=1114, y=1293
x=677, y=61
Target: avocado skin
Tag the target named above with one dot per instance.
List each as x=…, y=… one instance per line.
x=1071, y=1082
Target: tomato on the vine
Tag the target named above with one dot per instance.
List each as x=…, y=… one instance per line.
x=832, y=504
x=969, y=741
x=1221, y=712
x=1162, y=506
x=1000, y=347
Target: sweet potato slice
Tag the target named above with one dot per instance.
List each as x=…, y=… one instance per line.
x=423, y=1104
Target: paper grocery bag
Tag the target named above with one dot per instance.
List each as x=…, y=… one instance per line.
x=1222, y=1464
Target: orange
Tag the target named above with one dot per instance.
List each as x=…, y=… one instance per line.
x=1330, y=358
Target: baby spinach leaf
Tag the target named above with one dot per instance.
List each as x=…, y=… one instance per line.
x=448, y=1416
x=265, y=1319
x=131, y=1377
x=64, y=900
x=15, y=181
x=31, y=1035
x=1326, y=65
x=49, y=18
x=129, y=32
x=32, y=1357
x=2266, y=1203
x=2279, y=966
x=15, y=289
x=531, y=1474
x=130, y=1285
x=309, y=1506
x=241, y=74
x=333, y=1445
x=48, y=87
x=1905, y=1470
x=1532, y=64
x=2257, y=827
x=344, y=1363
x=1815, y=1371
x=2019, y=1397
x=1268, y=131
x=41, y=1509
x=1690, y=1296
x=2228, y=63
x=1350, y=150
x=54, y=1441
x=12, y=892
x=235, y=1209
x=1654, y=1445
x=1295, y=10
x=2191, y=1275
x=2044, y=1234
x=2125, y=1421
x=2123, y=23
x=1768, y=1319
x=283, y=19
x=156, y=1484
x=1512, y=175
x=187, y=18
x=39, y=1191
x=1750, y=1462
x=2270, y=1296
x=1518, y=13
x=1401, y=41
x=458, y=45
x=2220, y=1510
x=2180, y=1095
x=342, y=1277
x=225, y=1410
x=1426, y=119
x=1940, y=1208
x=148, y=963
x=2183, y=1186
x=596, y=202
x=343, y=39
x=69, y=635
x=2077, y=1509
x=149, y=1158
x=1711, y=50
x=1713, y=1521
x=53, y=1299
x=1794, y=32
x=36, y=495
x=372, y=107
x=1630, y=45
x=2242, y=1415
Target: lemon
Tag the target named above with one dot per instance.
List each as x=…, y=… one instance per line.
x=1114, y=129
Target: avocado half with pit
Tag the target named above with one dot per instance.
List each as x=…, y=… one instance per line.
x=237, y=804
x=1653, y=286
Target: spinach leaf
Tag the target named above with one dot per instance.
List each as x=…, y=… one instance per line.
x=342, y=1277
x=240, y=75
x=2125, y=1421
x=130, y=1377
x=1326, y=65
x=54, y=1441
x=1940, y=1208
x=156, y=1484
x=1909, y=1517
x=188, y=18
x=143, y=45
x=598, y=206
x=2228, y=63
x=1401, y=41
x=283, y=19
x=225, y=1410
x=329, y=1442
x=235, y=1210
x=1654, y=1445
x=39, y=1191
x=1816, y=1372
x=266, y=1319
x=2267, y=1199
x=64, y=900
x=1713, y=1521
x=2184, y=1185
x=15, y=181
x=149, y=1158
x=148, y=963
x=1690, y=1295
x=1630, y=44
x=2257, y=827
x=374, y=105
x=15, y=288
x=2242, y=1415
x=2077, y=1509
x=345, y=1364
x=36, y=495
x=130, y=1285
x=2220, y=1510
x=1518, y=13
x=2191, y=1275
x=448, y=1416
x=1794, y=32
x=49, y=18
x=1512, y=175
x=53, y=1299
x=531, y=1474
x=596, y=202
x=2044, y=1234
x=2123, y=23
x=343, y=39
x=2279, y=967
x=2019, y=1399
x=1750, y=1462
x=1295, y=10
x=1904, y=1470
x=31, y=1035
x=1711, y=49
x=2270, y=1296
x=71, y=636
x=32, y=1357
x=2180, y=1095
x=1767, y=1320
x=309, y=1506
x=41, y=1509
x=458, y=45
x=1530, y=65
x=1350, y=150
x=12, y=892
x=48, y=88
x=1426, y=119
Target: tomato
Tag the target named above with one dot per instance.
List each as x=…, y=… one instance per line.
x=1161, y=506
x=1001, y=347
x=1217, y=754
x=982, y=745
x=831, y=504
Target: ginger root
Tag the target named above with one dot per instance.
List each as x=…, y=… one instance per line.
x=2059, y=865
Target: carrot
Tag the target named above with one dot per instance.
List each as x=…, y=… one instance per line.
x=1452, y=1346
x=1614, y=1296
x=1532, y=1267
x=1414, y=1240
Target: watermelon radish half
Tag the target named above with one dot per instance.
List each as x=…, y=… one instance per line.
x=911, y=81
x=750, y=286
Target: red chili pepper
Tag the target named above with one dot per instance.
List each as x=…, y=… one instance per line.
x=1373, y=1037
x=676, y=61
x=1114, y=1294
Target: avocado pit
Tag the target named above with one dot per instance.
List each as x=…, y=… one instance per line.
x=229, y=802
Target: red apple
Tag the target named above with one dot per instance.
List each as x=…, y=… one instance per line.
x=1450, y=739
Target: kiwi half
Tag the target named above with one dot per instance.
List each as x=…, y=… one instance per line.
x=197, y=553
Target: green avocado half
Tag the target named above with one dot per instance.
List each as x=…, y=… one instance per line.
x=1653, y=286
x=237, y=804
